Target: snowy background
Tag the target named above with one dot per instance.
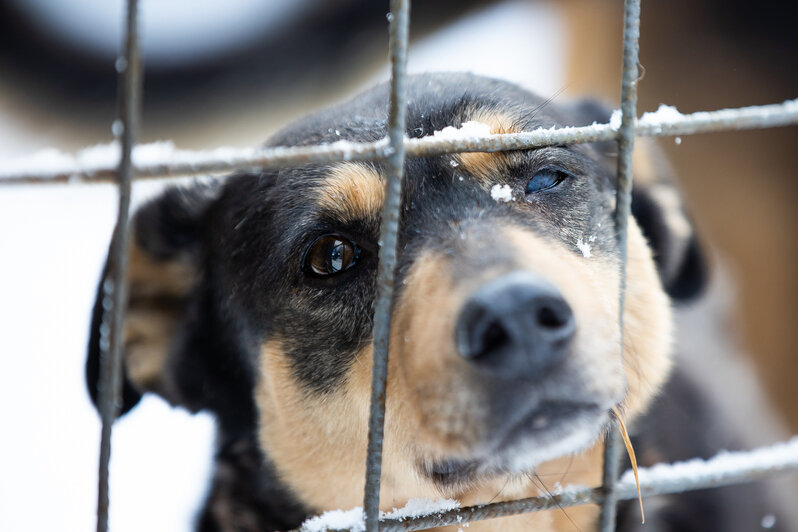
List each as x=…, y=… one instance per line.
x=53, y=242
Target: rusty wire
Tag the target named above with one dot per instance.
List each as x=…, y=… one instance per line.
x=187, y=162
x=389, y=229
x=623, y=207
x=114, y=285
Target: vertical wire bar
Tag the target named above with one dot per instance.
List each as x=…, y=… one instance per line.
x=399, y=22
x=631, y=49
x=114, y=286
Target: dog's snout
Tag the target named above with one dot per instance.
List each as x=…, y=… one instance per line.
x=516, y=326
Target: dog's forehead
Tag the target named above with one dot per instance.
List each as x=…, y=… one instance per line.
x=435, y=102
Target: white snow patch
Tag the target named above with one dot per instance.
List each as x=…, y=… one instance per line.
x=453, y=163
x=615, y=119
x=472, y=128
x=354, y=520
x=721, y=465
x=584, y=247
x=501, y=193
x=664, y=115
x=102, y=156
x=591, y=238
x=421, y=508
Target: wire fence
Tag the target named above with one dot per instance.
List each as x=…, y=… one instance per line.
x=99, y=164
x=121, y=163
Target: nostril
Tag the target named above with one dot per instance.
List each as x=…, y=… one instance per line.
x=553, y=316
x=494, y=337
x=480, y=332
x=515, y=326
x=548, y=318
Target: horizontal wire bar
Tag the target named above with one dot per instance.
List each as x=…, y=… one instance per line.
x=726, y=468
x=170, y=162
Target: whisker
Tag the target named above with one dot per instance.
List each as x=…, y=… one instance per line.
x=500, y=490
x=550, y=494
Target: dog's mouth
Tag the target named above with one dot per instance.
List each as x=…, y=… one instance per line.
x=548, y=431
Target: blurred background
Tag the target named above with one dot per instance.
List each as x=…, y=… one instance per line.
x=231, y=73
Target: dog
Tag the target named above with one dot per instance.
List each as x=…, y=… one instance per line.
x=253, y=297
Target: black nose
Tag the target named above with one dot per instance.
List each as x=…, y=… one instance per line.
x=516, y=326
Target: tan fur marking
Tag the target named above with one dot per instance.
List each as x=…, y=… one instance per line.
x=653, y=175
x=157, y=289
x=483, y=165
x=648, y=327
x=591, y=288
x=318, y=442
x=150, y=277
x=352, y=190
x=148, y=333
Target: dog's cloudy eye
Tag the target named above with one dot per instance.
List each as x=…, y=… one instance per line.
x=329, y=255
x=543, y=179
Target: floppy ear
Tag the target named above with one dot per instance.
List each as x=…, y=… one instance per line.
x=168, y=305
x=657, y=206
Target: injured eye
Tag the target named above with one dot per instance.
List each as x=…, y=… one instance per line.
x=329, y=255
x=545, y=179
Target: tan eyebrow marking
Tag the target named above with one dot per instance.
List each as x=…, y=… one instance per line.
x=487, y=166
x=352, y=190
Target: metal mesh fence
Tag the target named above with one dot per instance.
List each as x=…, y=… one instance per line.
x=395, y=149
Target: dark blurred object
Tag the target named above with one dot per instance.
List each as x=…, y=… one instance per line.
x=71, y=55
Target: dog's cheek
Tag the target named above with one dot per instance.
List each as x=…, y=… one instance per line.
x=647, y=326
x=430, y=387
x=317, y=441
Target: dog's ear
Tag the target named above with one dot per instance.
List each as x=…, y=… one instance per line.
x=657, y=206
x=659, y=209
x=165, y=271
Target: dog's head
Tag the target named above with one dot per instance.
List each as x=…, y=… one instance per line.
x=255, y=298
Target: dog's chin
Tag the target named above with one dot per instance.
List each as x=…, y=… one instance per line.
x=550, y=431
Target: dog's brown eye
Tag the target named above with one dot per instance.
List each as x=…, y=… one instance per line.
x=329, y=255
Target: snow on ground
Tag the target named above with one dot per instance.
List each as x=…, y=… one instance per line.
x=53, y=242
